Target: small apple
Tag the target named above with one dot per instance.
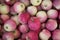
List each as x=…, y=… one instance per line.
x=16, y=33
x=19, y=7
x=26, y=2
x=23, y=17
x=23, y=28
x=51, y=24
x=5, y=18
x=8, y=36
x=32, y=10
x=4, y=9
x=46, y=5
x=45, y=34
x=35, y=2
x=34, y=23
x=56, y=34
x=10, y=2
x=10, y=25
x=56, y=4
x=52, y=13
x=15, y=18
x=42, y=16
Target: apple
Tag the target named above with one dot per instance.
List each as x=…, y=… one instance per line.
x=26, y=2
x=15, y=18
x=51, y=24
x=10, y=25
x=56, y=4
x=16, y=33
x=23, y=17
x=5, y=18
x=34, y=23
x=35, y=2
x=8, y=36
x=52, y=13
x=10, y=2
x=44, y=34
x=32, y=36
x=46, y=5
x=19, y=7
x=23, y=28
x=42, y=16
x=56, y=34
x=32, y=10
x=4, y=9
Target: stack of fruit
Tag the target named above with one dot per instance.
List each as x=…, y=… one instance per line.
x=29, y=19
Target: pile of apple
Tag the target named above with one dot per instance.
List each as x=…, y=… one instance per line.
x=29, y=19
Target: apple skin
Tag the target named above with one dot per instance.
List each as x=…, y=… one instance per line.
x=34, y=23
x=42, y=16
x=8, y=36
x=46, y=4
x=19, y=7
x=51, y=24
x=32, y=10
x=45, y=34
x=4, y=9
x=23, y=28
x=10, y=25
x=52, y=13
x=56, y=34
x=35, y=2
x=23, y=17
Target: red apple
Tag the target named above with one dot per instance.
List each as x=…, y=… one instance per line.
x=23, y=17
x=34, y=23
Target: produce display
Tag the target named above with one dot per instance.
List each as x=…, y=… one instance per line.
x=29, y=19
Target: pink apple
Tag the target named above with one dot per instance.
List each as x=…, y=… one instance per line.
x=16, y=33
x=23, y=28
x=26, y=2
x=46, y=4
x=51, y=24
x=23, y=17
x=34, y=23
x=52, y=13
x=42, y=16
x=32, y=36
x=12, y=11
x=8, y=36
x=5, y=18
x=10, y=2
x=45, y=34
x=56, y=4
x=4, y=9
x=32, y=10
x=35, y=2
x=10, y=25
x=15, y=18
x=56, y=34
x=19, y=7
